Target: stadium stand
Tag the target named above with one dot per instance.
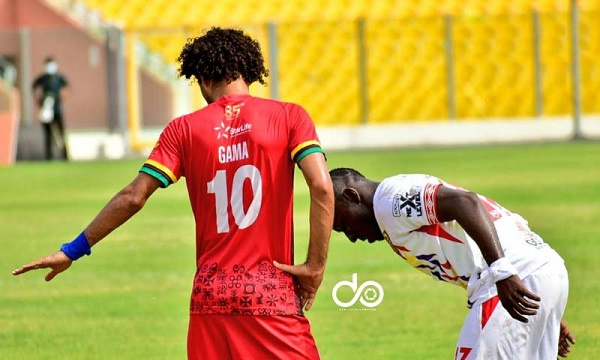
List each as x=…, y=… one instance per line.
x=406, y=65
x=359, y=67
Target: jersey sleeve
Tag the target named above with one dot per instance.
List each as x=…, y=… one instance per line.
x=303, y=136
x=165, y=160
x=412, y=201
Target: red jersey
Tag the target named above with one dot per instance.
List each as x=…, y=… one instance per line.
x=238, y=156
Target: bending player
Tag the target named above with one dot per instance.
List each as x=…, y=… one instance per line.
x=468, y=240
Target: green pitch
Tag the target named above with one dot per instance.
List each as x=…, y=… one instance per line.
x=129, y=300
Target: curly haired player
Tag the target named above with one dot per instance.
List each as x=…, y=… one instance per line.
x=238, y=156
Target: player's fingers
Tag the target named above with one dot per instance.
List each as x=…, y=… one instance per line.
x=25, y=268
x=20, y=270
x=515, y=315
x=309, y=304
x=304, y=302
x=51, y=275
x=529, y=294
x=563, y=349
x=528, y=304
x=562, y=353
x=521, y=309
x=290, y=269
x=516, y=309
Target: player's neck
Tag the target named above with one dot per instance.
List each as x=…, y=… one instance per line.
x=368, y=193
x=236, y=87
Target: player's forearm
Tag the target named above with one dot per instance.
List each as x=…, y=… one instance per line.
x=481, y=229
x=118, y=210
x=321, y=209
x=121, y=207
x=321, y=223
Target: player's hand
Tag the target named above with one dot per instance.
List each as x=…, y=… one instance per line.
x=516, y=298
x=58, y=262
x=565, y=337
x=308, y=279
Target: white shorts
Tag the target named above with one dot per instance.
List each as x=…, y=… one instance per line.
x=490, y=333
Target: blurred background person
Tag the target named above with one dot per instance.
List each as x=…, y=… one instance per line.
x=47, y=91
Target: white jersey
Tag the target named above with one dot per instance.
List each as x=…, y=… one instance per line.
x=405, y=209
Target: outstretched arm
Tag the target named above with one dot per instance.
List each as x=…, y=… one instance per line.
x=122, y=207
x=118, y=210
x=310, y=273
x=466, y=208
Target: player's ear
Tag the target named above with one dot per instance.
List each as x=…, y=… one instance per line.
x=351, y=195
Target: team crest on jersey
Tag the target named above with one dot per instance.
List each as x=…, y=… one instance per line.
x=407, y=204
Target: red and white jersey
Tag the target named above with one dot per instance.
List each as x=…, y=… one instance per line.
x=405, y=209
x=238, y=156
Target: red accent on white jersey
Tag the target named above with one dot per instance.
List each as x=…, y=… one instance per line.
x=404, y=207
x=429, y=201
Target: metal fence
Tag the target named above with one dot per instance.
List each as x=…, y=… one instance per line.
x=365, y=71
x=377, y=71
x=428, y=68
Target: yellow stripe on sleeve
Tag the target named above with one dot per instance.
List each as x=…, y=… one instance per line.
x=162, y=168
x=303, y=145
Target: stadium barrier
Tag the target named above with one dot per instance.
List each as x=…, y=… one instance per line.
x=398, y=80
x=96, y=145
x=475, y=132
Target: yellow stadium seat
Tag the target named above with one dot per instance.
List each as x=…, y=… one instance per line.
x=406, y=63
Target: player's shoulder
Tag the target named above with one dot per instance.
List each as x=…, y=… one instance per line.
x=211, y=111
x=406, y=183
x=411, y=179
x=289, y=107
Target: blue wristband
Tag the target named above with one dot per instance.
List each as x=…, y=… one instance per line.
x=77, y=248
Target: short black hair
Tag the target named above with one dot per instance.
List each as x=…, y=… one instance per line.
x=223, y=54
x=343, y=177
x=346, y=173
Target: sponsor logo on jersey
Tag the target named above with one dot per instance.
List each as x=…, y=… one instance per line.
x=242, y=129
x=227, y=131
x=222, y=130
x=407, y=204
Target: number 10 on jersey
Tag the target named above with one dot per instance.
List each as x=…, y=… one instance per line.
x=218, y=186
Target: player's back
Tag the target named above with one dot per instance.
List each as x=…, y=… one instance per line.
x=238, y=163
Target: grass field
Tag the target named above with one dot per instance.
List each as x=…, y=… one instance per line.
x=129, y=300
